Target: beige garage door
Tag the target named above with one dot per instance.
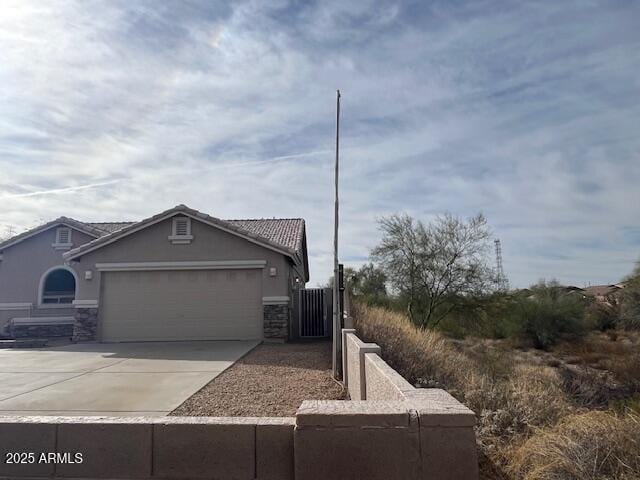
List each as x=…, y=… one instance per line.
x=181, y=305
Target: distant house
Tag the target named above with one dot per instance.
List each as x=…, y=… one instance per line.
x=605, y=293
x=575, y=290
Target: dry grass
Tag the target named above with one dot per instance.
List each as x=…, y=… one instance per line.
x=590, y=446
x=597, y=346
x=507, y=398
x=524, y=399
x=421, y=355
x=604, y=367
x=626, y=369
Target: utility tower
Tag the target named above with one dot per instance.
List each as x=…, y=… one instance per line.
x=501, y=278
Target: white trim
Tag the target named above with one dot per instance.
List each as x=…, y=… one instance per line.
x=104, y=243
x=180, y=239
x=41, y=287
x=203, y=265
x=62, y=246
x=16, y=306
x=85, y=303
x=275, y=300
x=42, y=320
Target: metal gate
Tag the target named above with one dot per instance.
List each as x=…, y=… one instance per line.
x=315, y=311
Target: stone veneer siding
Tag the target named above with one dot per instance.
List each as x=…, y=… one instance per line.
x=276, y=321
x=41, y=331
x=85, y=328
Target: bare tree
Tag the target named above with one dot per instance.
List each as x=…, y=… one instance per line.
x=8, y=232
x=434, y=266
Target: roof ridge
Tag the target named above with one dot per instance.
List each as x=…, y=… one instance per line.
x=114, y=221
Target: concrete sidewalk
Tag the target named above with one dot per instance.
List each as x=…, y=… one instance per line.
x=119, y=379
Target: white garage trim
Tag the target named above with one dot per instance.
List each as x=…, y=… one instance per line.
x=15, y=306
x=275, y=300
x=85, y=303
x=204, y=265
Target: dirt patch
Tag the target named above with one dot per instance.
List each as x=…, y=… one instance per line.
x=272, y=380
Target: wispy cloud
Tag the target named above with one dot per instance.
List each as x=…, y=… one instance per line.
x=526, y=111
x=56, y=191
x=281, y=158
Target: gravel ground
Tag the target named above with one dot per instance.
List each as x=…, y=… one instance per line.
x=271, y=380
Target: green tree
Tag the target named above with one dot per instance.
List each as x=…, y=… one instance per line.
x=548, y=311
x=368, y=282
x=434, y=267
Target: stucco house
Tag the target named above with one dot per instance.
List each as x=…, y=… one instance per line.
x=179, y=275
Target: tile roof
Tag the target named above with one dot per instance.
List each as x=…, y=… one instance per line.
x=287, y=232
x=602, y=290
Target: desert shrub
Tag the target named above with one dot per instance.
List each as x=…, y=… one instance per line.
x=541, y=316
x=630, y=302
x=590, y=446
x=626, y=369
x=617, y=355
x=626, y=405
x=602, y=316
x=532, y=396
x=548, y=314
x=485, y=316
x=419, y=355
x=506, y=398
x=586, y=386
x=537, y=395
x=519, y=401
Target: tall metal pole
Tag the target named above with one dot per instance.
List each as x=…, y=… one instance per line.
x=337, y=333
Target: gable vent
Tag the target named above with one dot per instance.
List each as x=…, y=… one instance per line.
x=63, y=238
x=181, y=230
x=63, y=235
x=182, y=226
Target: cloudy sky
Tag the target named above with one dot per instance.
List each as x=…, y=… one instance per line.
x=526, y=111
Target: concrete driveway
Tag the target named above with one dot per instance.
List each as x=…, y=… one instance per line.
x=118, y=379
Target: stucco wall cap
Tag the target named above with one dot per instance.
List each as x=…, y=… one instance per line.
x=339, y=413
x=148, y=420
x=435, y=407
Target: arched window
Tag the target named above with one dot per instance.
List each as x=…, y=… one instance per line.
x=58, y=287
